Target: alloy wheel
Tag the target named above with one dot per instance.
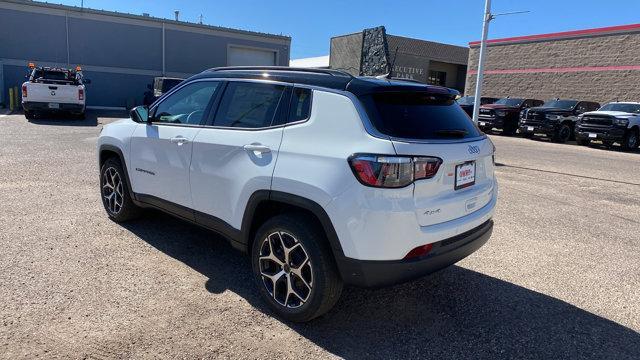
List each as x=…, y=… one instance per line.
x=112, y=190
x=286, y=269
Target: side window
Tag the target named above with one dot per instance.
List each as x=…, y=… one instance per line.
x=300, y=108
x=526, y=104
x=248, y=105
x=594, y=106
x=187, y=105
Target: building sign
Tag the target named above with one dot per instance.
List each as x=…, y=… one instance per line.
x=408, y=72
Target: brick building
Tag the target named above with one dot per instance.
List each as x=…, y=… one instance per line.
x=595, y=64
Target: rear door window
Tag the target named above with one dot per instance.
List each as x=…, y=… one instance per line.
x=300, y=105
x=418, y=115
x=249, y=105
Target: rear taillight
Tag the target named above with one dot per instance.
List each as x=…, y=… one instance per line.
x=392, y=171
x=24, y=90
x=80, y=94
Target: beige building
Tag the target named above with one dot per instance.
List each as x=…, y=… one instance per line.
x=600, y=64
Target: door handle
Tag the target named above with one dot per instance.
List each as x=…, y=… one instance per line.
x=257, y=148
x=179, y=140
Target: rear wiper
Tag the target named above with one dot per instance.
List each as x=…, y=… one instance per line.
x=452, y=132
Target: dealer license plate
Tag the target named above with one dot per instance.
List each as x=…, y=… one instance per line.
x=593, y=136
x=529, y=128
x=465, y=175
x=54, y=106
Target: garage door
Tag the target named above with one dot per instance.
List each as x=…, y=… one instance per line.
x=239, y=56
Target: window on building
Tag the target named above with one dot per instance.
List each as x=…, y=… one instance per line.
x=437, y=78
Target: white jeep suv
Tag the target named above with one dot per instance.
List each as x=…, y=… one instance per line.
x=322, y=177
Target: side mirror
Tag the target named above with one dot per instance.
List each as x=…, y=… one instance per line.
x=86, y=81
x=140, y=114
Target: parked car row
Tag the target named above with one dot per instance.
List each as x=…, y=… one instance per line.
x=560, y=120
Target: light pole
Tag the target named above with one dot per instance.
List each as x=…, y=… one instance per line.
x=488, y=16
x=483, y=45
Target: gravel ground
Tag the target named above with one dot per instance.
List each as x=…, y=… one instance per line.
x=560, y=277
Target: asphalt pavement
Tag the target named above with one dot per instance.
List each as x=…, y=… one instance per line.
x=559, y=279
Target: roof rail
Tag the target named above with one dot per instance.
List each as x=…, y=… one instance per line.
x=286, y=68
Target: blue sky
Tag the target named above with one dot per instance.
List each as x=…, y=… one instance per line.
x=312, y=23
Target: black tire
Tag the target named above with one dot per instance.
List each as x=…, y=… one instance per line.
x=631, y=140
x=80, y=116
x=527, y=135
x=114, y=190
x=29, y=114
x=562, y=134
x=320, y=272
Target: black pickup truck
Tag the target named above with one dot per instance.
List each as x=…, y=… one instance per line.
x=467, y=103
x=504, y=114
x=555, y=119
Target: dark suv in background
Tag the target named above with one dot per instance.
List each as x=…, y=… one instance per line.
x=504, y=114
x=467, y=103
x=555, y=119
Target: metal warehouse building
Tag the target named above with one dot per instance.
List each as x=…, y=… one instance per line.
x=121, y=53
x=595, y=64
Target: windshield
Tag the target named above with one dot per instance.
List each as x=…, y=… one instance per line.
x=509, y=102
x=628, y=108
x=466, y=100
x=418, y=115
x=561, y=104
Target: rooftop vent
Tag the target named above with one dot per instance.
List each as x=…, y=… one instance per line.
x=177, y=12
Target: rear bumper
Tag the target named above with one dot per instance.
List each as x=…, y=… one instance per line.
x=44, y=106
x=605, y=134
x=447, y=252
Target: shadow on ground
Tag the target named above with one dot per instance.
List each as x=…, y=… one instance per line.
x=456, y=313
x=91, y=118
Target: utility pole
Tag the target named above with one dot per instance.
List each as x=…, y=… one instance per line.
x=483, y=46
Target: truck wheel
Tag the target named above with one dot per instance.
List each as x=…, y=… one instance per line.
x=563, y=134
x=294, y=268
x=80, y=116
x=29, y=114
x=115, y=194
x=630, y=140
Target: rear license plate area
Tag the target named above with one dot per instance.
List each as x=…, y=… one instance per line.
x=54, y=106
x=465, y=175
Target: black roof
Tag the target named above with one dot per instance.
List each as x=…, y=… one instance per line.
x=332, y=79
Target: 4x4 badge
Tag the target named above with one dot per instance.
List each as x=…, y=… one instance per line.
x=473, y=149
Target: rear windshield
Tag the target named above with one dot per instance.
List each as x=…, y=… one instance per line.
x=54, y=75
x=418, y=115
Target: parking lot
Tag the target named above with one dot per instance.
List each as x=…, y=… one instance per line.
x=560, y=278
